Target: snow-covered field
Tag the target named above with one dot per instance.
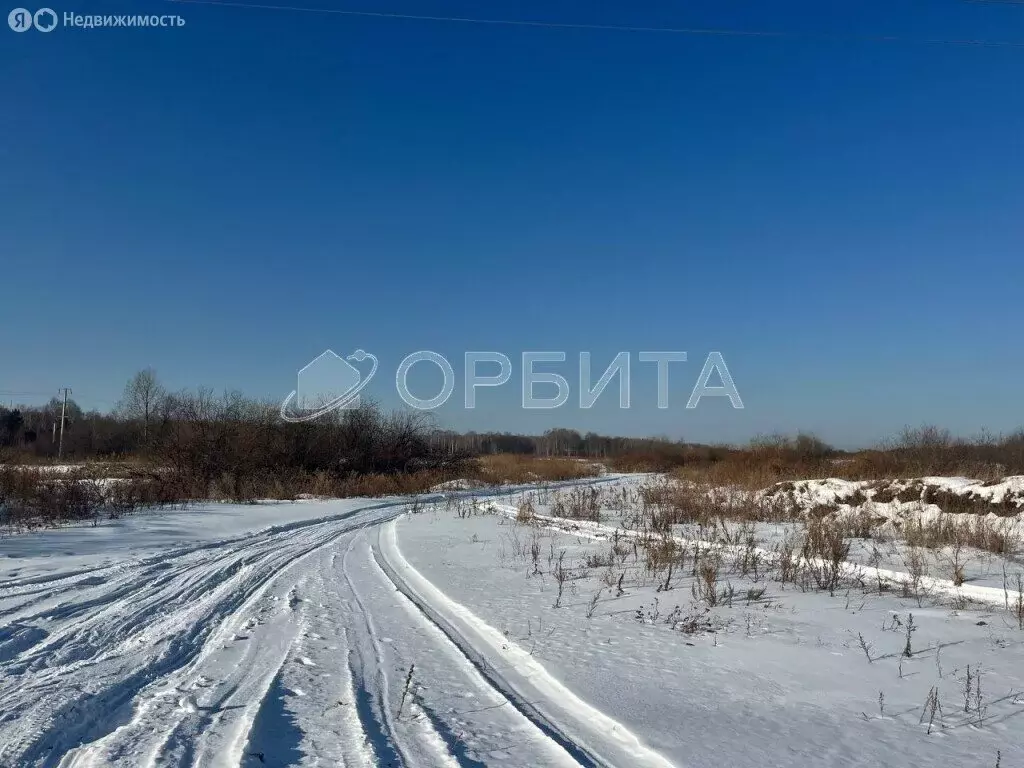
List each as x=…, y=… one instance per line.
x=445, y=632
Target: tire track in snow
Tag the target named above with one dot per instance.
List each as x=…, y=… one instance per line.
x=334, y=733
x=557, y=753
x=188, y=732
x=590, y=736
x=71, y=713
x=438, y=740
x=84, y=670
x=371, y=700
x=354, y=739
x=360, y=712
x=426, y=736
x=153, y=591
x=102, y=701
x=267, y=723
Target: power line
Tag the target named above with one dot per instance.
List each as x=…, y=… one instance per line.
x=497, y=22
x=709, y=31
x=6, y=394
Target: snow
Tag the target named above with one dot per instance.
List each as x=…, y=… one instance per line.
x=809, y=493
x=994, y=492
x=47, y=469
x=592, y=732
x=460, y=484
x=424, y=632
x=782, y=679
x=855, y=567
x=184, y=637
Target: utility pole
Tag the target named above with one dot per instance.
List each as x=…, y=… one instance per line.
x=63, y=410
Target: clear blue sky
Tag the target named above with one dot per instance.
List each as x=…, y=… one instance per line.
x=842, y=218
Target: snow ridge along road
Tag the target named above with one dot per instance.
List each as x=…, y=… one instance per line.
x=587, y=734
x=312, y=642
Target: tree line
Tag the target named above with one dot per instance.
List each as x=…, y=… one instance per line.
x=213, y=434
x=149, y=420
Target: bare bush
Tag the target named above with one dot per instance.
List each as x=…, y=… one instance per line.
x=706, y=586
x=561, y=575
x=526, y=512
x=931, y=708
x=916, y=567
x=581, y=503
x=824, y=552
x=1018, y=605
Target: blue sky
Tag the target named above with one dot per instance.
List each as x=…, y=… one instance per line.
x=842, y=218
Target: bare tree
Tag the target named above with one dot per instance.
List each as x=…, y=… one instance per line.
x=142, y=396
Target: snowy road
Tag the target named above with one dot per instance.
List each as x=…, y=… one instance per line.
x=314, y=643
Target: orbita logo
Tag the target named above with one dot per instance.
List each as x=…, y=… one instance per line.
x=330, y=382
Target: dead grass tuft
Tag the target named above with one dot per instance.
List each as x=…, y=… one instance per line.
x=977, y=532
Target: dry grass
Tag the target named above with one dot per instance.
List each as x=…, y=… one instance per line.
x=670, y=503
x=387, y=485
x=33, y=498
x=885, y=491
x=721, y=551
x=527, y=512
x=976, y=532
x=490, y=470
x=825, y=550
x=923, y=452
x=516, y=469
x=816, y=554
x=30, y=499
x=579, y=504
